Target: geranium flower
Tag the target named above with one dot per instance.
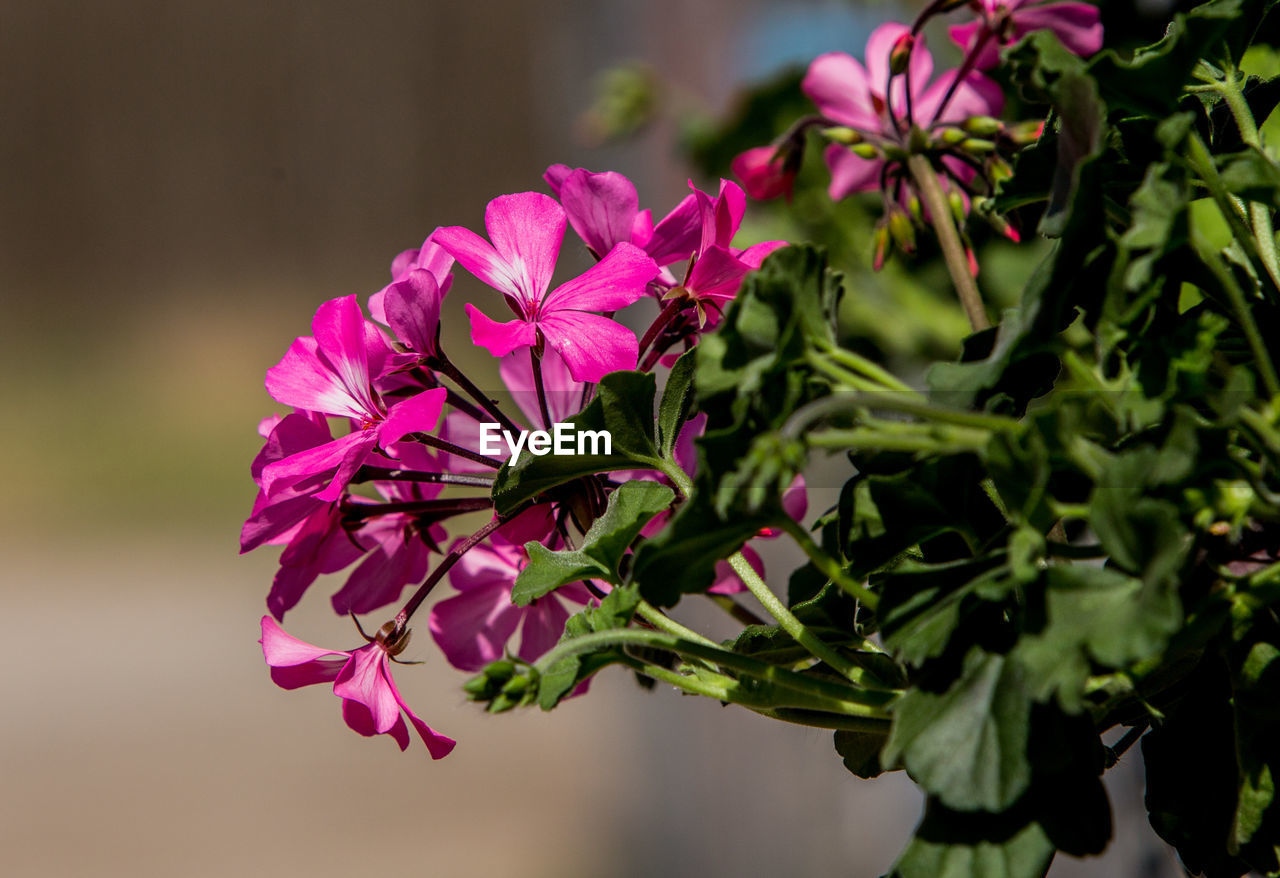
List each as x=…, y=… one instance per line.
x=526, y=231
x=870, y=101
x=1004, y=22
x=329, y=373
x=371, y=704
x=765, y=172
x=472, y=628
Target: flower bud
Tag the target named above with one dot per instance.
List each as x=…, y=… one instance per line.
x=1025, y=133
x=952, y=136
x=880, y=243
x=956, y=201
x=841, y=134
x=900, y=54
x=902, y=230
x=983, y=126
x=766, y=171
x=998, y=169
x=976, y=145
x=865, y=151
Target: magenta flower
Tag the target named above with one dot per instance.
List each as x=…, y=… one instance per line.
x=526, y=231
x=870, y=101
x=472, y=628
x=330, y=373
x=1004, y=22
x=371, y=704
x=430, y=257
x=765, y=172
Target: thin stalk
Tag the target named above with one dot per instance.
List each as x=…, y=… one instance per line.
x=445, y=366
x=829, y=566
x=381, y=474
x=665, y=316
x=948, y=240
x=1241, y=306
x=535, y=363
x=448, y=506
x=663, y=622
x=449, y=447
x=737, y=611
x=799, y=632
x=846, y=698
x=1259, y=213
x=816, y=719
x=411, y=606
x=865, y=439
x=872, y=370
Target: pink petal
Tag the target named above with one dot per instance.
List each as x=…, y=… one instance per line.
x=472, y=628
x=307, y=674
x=731, y=206
x=303, y=380
x=592, y=346
x=339, y=330
x=755, y=255
x=397, y=560
x=880, y=44
x=497, y=338
x=413, y=310
x=976, y=96
x=281, y=649
x=438, y=745
x=417, y=414
x=555, y=176
x=602, y=208
x=850, y=173
x=487, y=564
x=360, y=719
x=312, y=462
x=363, y=680
x=761, y=170
x=611, y=284
x=527, y=229
x=543, y=625
x=1077, y=25
x=677, y=234
x=564, y=395
x=477, y=256
x=839, y=86
x=717, y=274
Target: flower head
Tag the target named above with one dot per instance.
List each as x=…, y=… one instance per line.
x=371, y=704
x=1003, y=22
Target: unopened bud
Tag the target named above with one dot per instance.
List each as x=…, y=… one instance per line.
x=900, y=54
x=515, y=686
x=903, y=231
x=880, y=243
x=983, y=126
x=914, y=208
x=1025, y=132
x=952, y=136
x=956, y=202
x=976, y=145
x=840, y=134
x=865, y=150
x=998, y=169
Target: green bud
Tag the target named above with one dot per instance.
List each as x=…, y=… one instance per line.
x=957, y=206
x=1025, y=132
x=840, y=134
x=983, y=126
x=515, y=686
x=998, y=169
x=900, y=54
x=903, y=231
x=880, y=243
x=952, y=136
x=914, y=208
x=501, y=704
x=978, y=146
x=865, y=151
x=477, y=688
x=917, y=140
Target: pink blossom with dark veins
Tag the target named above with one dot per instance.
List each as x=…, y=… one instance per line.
x=526, y=231
x=371, y=703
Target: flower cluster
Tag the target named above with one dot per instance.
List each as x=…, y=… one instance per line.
x=893, y=127
x=410, y=421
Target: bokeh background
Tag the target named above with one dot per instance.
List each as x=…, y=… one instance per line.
x=181, y=183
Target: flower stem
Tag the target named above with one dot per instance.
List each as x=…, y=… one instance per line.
x=829, y=566
x=458, y=450
x=381, y=474
x=411, y=606
x=665, y=316
x=840, y=697
x=799, y=632
x=535, y=363
x=445, y=507
x=663, y=622
x=1259, y=213
x=445, y=366
x=948, y=240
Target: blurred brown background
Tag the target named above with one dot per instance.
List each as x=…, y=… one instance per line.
x=181, y=184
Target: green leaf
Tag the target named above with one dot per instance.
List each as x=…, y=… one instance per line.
x=950, y=844
x=861, y=752
x=615, y=611
x=624, y=408
x=967, y=746
x=630, y=508
x=677, y=402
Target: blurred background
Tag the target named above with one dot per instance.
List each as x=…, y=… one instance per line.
x=181, y=184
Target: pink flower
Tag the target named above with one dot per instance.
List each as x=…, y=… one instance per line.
x=875, y=104
x=1003, y=22
x=430, y=257
x=472, y=629
x=329, y=373
x=526, y=231
x=764, y=172
x=371, y=704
